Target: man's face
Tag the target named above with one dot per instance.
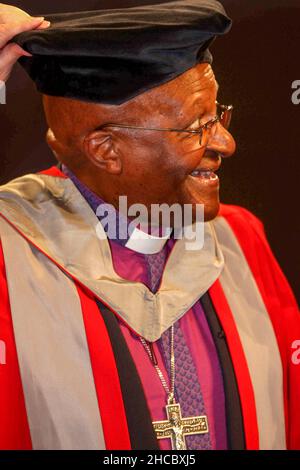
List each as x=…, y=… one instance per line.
x=149, y=167
x=158, y=166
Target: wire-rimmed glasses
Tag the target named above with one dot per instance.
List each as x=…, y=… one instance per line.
x=223, y=116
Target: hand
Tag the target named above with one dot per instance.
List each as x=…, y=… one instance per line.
x=14, y=21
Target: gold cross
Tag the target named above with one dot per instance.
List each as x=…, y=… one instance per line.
x=176, y=427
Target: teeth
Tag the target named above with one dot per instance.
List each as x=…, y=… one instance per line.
x=207, y=174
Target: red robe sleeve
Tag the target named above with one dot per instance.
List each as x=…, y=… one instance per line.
x=280, y=304
x=14, y=429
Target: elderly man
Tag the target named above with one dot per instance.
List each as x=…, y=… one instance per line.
x=136, y=341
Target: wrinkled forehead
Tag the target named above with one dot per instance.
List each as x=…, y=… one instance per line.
x=197, y=83
x=197, y=78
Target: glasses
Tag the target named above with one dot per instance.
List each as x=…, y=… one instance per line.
x=223, y=116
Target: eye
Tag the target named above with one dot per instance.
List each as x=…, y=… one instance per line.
x=196, y=124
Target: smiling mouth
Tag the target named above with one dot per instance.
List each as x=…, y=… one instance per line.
x=207, y=170
x=206, y=174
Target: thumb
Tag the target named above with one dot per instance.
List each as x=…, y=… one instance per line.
x=9, y=30
x=8, y=57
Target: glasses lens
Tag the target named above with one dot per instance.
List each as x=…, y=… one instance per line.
x=201, y=137
x=225, y=115
x=204, y=136
x=206, y=130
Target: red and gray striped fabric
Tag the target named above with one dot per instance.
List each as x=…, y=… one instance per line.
x=64, y=386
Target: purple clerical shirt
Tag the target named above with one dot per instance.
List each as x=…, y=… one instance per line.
x=135, y=266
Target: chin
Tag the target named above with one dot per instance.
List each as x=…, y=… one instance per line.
x=211, y=211
x=211, y=208
x=196, y=192
x=210, y=214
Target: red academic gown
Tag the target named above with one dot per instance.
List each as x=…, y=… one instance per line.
x=279, y=302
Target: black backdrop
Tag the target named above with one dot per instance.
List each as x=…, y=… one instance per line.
x=255, y=66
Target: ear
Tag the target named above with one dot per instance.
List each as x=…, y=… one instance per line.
x=99, y=148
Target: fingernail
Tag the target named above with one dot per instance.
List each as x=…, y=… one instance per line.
x=40, y=18
x=47, y=23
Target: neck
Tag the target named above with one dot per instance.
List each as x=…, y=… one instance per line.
x=135, y=236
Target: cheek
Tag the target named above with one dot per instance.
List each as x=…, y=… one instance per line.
x=152, y=160
x=183, y=155
x=160, y=166
x=177, y=159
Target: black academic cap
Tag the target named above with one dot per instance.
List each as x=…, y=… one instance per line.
x=110, y=56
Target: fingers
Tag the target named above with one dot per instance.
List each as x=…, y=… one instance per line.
x=8, y=57
x=9, y=30
x=44, y=25
x=10, y=53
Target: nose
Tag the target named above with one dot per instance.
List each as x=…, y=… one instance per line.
x=221, y=142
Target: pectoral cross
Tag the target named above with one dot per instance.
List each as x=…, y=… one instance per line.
x=176, y=427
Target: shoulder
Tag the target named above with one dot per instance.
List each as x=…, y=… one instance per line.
x=246, y=227
x=248, y=230
x=241, y=218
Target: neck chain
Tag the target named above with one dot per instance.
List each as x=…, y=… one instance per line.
x=175, y=427
x=170, y=391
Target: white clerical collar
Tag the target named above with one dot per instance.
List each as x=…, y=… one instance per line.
x=147, y=244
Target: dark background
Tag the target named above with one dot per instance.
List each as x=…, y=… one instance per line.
x=255, y=65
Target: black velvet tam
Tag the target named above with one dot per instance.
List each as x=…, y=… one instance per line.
x=110, y=56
